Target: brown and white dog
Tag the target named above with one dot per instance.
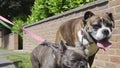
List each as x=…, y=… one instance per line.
x=93, y=32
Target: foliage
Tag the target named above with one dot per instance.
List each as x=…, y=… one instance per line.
x=16, y=11
x=46, y=8
x=18, y=25
x=15, y=8
x=22, y=58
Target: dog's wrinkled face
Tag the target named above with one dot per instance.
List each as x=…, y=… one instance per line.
x=100, y=28
x=69, y=58
x=72, y=59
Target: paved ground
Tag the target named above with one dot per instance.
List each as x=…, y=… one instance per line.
x=5, y=52
x=5, y=63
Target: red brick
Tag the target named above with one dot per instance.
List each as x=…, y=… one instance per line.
x=118, y=66
x=100, y=63
x=115, y=45
x=117, y=16
x=114, y=3
x=115, y=38
x=110, y=52
x=115, y=59
x=118, y=52
x=110, y=65
x=117, y=9
x=101, y=51
x=112, y=10
x=102, y=12
x=116, y=30
x=103, y=57
x=117, y=23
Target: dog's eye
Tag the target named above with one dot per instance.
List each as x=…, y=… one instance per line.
x=96, y=26
x=108, y=24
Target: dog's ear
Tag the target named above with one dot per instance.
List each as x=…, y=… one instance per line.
x=86, y=16
x=110, y=15
x=62, y=47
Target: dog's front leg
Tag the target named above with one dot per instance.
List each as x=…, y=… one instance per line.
x=91, y=59
x=35, y=62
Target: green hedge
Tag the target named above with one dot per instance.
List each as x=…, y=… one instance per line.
x=46, y=8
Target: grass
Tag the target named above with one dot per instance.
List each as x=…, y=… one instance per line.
x=21, y=60
x=2, y=48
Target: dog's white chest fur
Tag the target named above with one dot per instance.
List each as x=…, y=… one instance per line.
x=82, y=39
x=90, y=48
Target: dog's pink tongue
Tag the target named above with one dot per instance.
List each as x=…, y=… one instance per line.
x=104, y=44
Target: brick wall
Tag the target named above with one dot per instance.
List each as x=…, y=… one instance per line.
x=47, y=29
x=11, y=41
x=8, y=39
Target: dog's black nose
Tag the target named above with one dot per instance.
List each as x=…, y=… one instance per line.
x=105, y=32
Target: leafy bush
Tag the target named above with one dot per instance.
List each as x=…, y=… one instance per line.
x=46, y=8
x=18, y=25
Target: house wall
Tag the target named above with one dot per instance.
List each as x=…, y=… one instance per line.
x=11, y=41
x=0, y=38
x=47, y=29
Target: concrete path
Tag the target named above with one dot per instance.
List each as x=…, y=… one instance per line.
x=5, y=52
x=5, y=63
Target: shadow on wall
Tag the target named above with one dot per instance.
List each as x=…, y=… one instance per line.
x=5, y=37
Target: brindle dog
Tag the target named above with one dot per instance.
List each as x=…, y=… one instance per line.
x=49, y=55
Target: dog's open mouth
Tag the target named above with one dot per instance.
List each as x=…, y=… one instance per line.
x=104, y=44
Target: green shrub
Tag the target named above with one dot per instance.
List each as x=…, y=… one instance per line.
x=46, y=8
x=18, y=24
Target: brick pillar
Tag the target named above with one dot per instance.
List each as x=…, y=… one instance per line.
x=0, y=38
x=12, y=41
